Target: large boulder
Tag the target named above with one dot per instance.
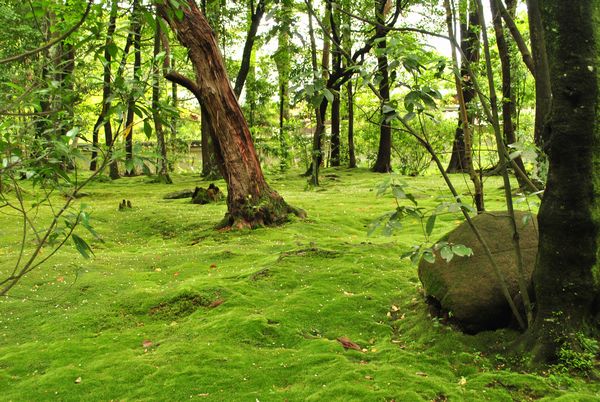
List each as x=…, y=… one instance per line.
x=467, y=288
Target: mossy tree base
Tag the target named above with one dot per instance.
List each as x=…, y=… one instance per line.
x=270, y=210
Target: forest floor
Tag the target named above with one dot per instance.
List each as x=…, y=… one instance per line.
x=170, y=309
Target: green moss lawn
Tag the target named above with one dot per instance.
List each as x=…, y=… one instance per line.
x=171, y=310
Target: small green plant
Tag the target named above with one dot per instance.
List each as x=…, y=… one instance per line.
x=392, y=221
x=578, y=354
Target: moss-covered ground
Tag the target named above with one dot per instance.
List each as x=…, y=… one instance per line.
x=172, y=310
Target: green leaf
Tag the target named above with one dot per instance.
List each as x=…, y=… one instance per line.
x=430, y=224
x=446, y=253
x=147, y=129
x=461, y=250
x=328, y=94
x=81, y=246
x=429, y=256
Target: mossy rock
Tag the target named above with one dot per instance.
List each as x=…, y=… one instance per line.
x=467, y=288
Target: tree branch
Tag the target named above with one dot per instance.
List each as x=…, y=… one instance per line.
x=52, y=42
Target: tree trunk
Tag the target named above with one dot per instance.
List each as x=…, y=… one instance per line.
x=470, y=47
x=383, y=164
x=250, y=200
x=255, y=18
x=566, y=272
x=543, y=94
x=508, y=97
x=211, y=169
x=136, y=34
x=163, y=173
x=104, y=118
x=351, y=150
x=336, y=63
x=282, y=59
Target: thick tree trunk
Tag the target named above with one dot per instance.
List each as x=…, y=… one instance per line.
x=565, y=277
x=250, y=200
x=211, y=169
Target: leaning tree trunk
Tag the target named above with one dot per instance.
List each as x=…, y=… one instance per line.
x=565, y=276
x=250, y=200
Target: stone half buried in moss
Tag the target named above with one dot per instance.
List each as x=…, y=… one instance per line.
x=466, y=289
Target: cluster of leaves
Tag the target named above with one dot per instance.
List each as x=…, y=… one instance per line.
x=392, y=221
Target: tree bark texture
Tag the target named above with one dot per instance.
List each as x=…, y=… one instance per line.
x=250, y=200
x=566, y=277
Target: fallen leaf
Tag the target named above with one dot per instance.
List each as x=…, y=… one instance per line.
x=421, y=374
x=147, y=343
x=394, y=307
x=60, y=279
x=462, y=381
x=157, y=270
x=78, y=380
x=176, y=274
x=348, y=293
x=213, y=265
x=348, y=344
x=216, y=303
x=368, y=377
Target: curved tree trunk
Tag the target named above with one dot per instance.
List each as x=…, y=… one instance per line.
x=566, y=272
x=250, y=200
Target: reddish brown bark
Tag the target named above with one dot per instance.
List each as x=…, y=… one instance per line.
x=250, y=200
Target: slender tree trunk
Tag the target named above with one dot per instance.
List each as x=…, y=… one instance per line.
x=543, y=94
x=163, y=173
x=351, y=149
x=470, y=47
x=334, y=22
x=103, y=118
x=508, y=97
x=465, y=91
x=321, y=110
x=136, y=34
x=255, y=18
x=250, y=200
x=566, y=272
x=283, y=63
x=383, y=163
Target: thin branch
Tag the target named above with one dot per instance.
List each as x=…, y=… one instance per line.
x=52, y=42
